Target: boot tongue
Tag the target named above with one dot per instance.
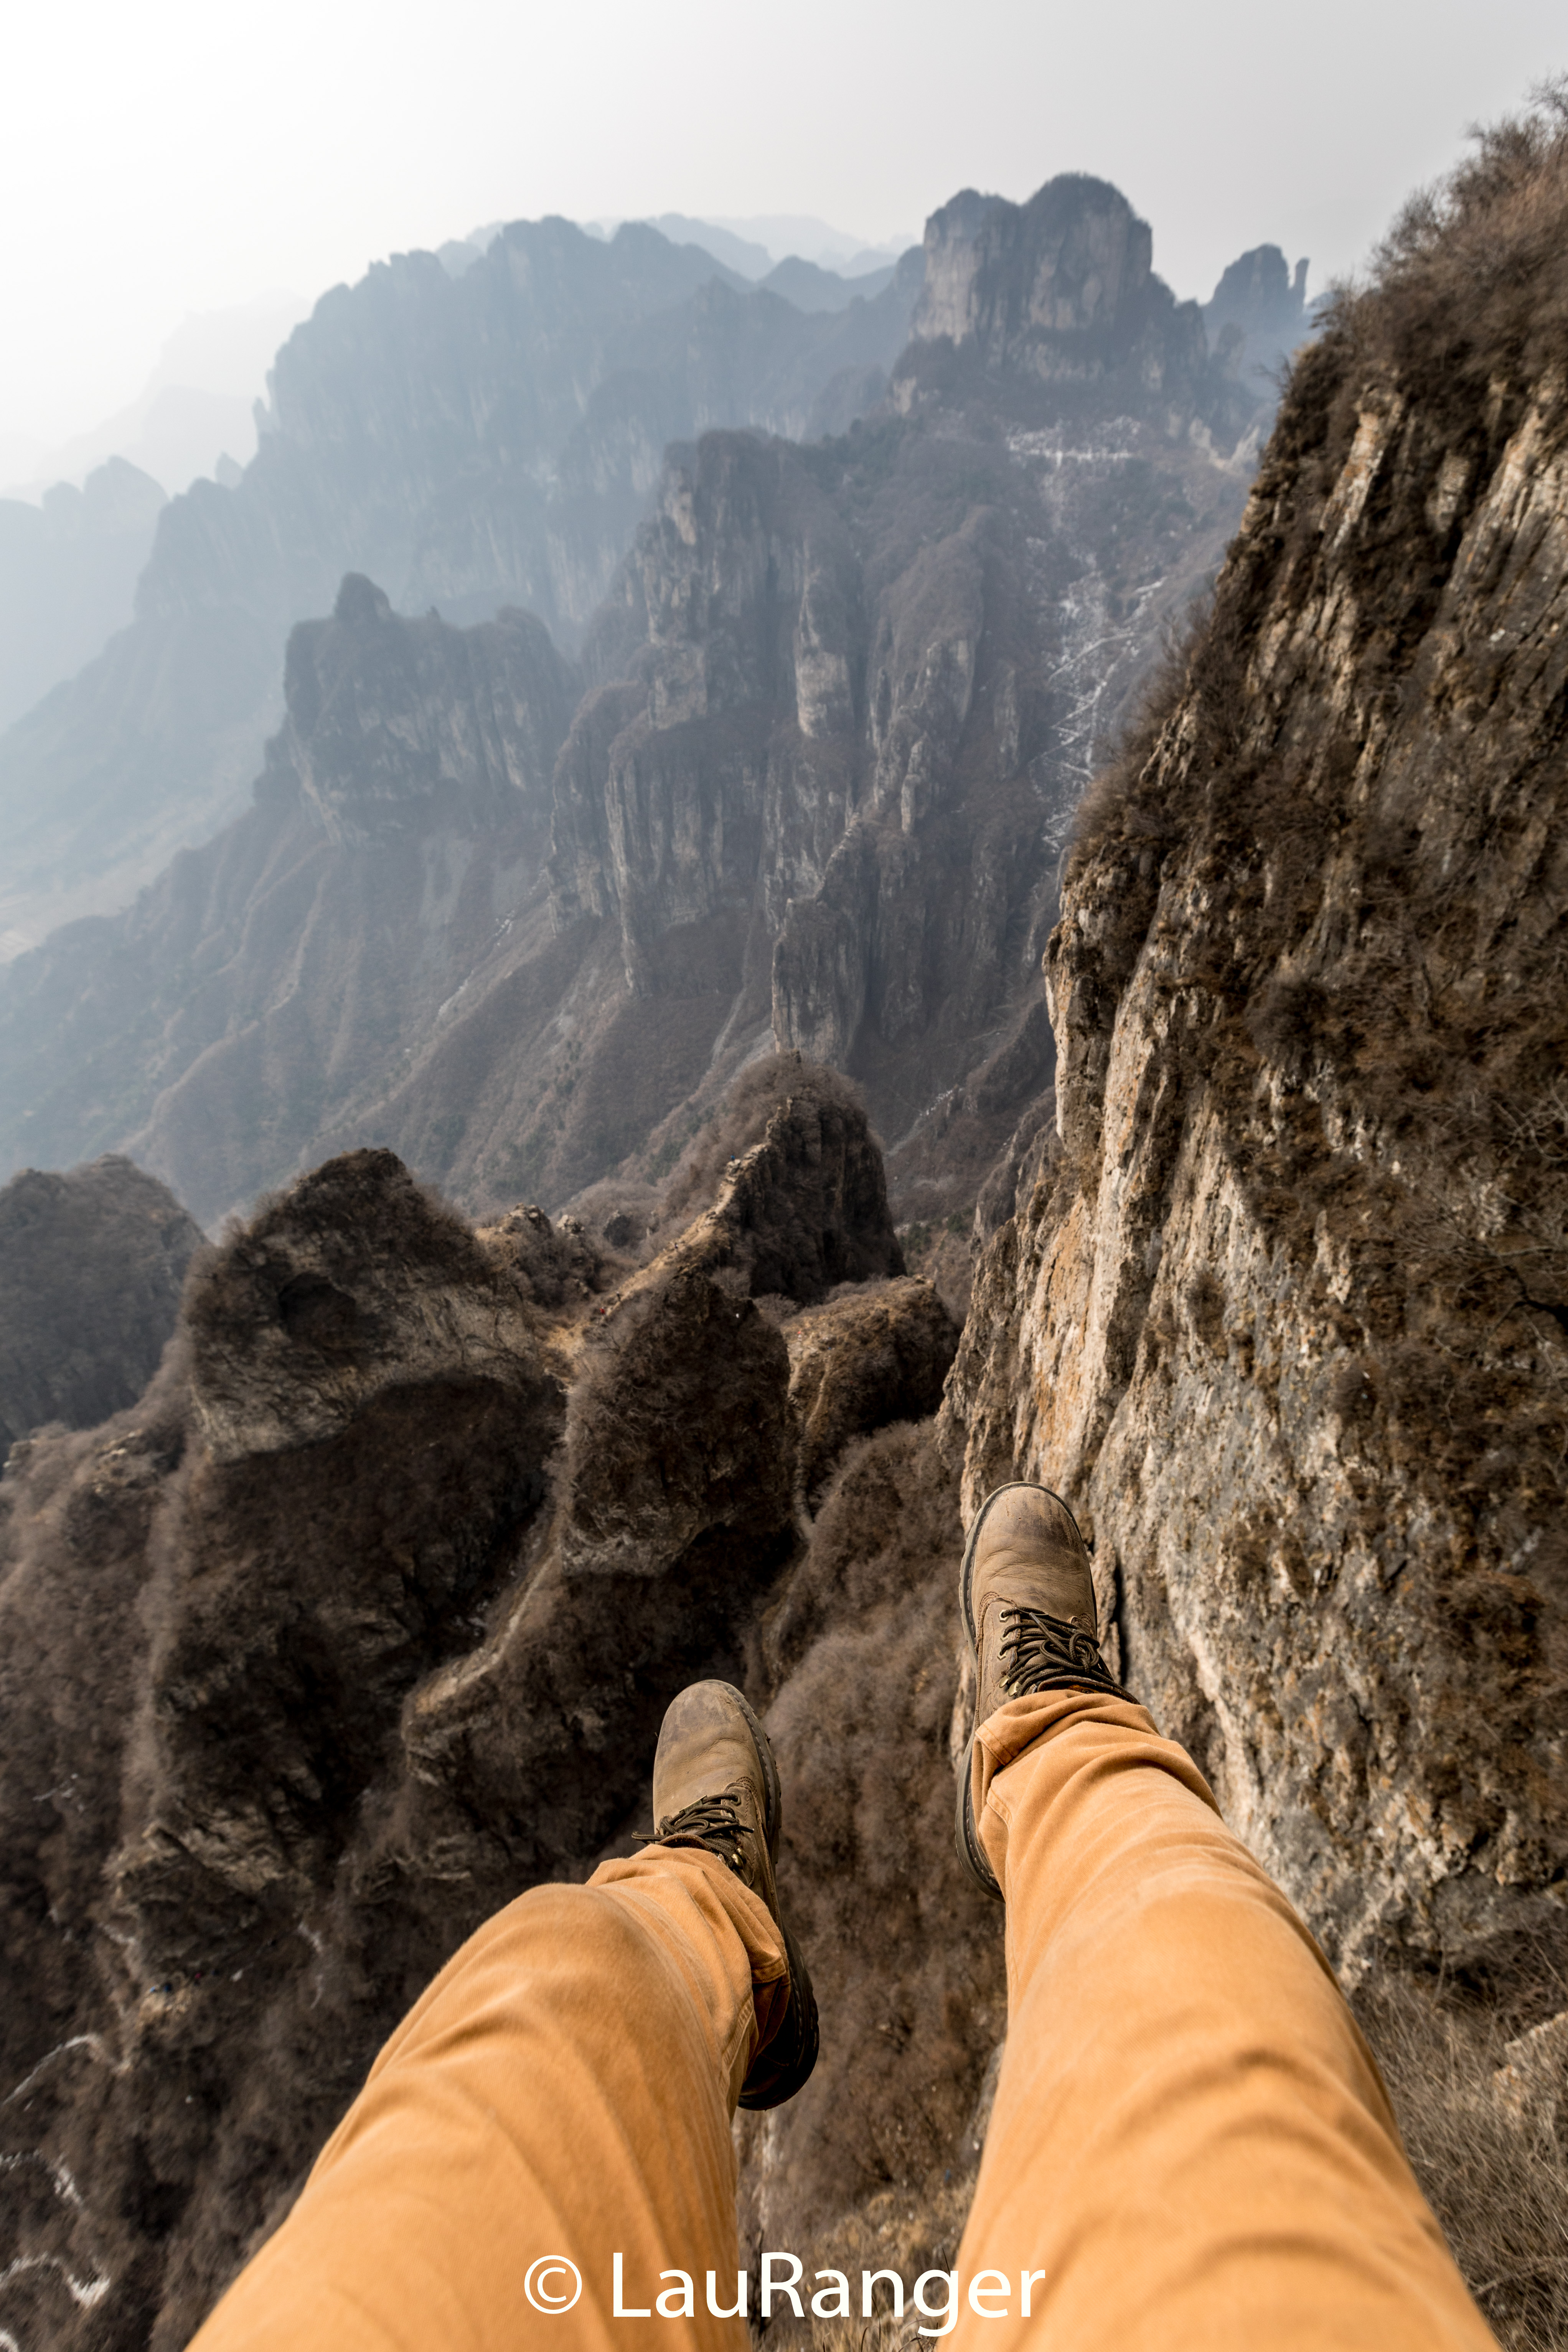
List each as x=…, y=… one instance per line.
x=711, y=1754
x=1059, y=1583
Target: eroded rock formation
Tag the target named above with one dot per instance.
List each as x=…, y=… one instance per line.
x=363, y=1620
x=279, y=974
x=1062, y=288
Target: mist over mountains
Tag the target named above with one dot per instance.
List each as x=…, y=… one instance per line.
x=818, y=752
x=1007, y=921
x=479, y=430
x=471, y=441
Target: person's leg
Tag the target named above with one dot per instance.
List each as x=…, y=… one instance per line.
x=1191, y=2141
x=564, y=2088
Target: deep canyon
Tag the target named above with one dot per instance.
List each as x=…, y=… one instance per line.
x=972, y=1011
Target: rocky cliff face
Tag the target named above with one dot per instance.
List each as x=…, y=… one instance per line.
x=1284, y=1314
x=402, y=729
x=91, y=1268
x=471, y=442
x=364, y=1621
x=1062, y=287
x=1059, y=296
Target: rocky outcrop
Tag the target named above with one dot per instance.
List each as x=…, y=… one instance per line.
x=281, y=973
x=1061, y=291
x=366, y=1619
x=806, y=1207
x=1258, y=314
x=1075, y=260
x=876, y=1356
x=399, y=728
x=1285, y=1320
x=91, y=1268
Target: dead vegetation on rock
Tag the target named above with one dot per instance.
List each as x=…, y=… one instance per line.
x=364, y=1619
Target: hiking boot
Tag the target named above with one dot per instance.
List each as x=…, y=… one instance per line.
x=1026, y=1592
x=716, y=1785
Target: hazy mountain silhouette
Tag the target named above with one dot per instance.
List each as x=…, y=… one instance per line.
x=813, y=780
x=471, y=441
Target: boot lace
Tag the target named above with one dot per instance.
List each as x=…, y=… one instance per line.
x=1042, y=1653
x=713, y=1822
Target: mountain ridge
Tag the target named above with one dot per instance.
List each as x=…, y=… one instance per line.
x=837, y=707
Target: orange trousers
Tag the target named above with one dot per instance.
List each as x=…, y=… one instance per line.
x=1191, y=2151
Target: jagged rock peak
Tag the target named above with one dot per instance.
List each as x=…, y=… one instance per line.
x=807, y=1208
x=397, y=727
x=1061, y=292
x=1257, y=290
x=1075, y=259
x=366, y=1620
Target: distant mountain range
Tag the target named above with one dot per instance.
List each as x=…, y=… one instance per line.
x=516, y=895
x=471, y=441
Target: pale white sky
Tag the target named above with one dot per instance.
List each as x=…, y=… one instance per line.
x=181, y=155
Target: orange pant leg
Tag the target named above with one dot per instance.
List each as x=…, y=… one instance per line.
x=564, y=2088
x=1191, y=2139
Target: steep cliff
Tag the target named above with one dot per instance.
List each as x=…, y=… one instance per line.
x=1284, y=1313
x=364, y=1619
x=471, y=442
x=1062, y=290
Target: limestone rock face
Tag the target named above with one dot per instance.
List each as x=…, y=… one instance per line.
x=1284, y=1317
x=720, y=778
x=1063, y=289
x=92, y=1265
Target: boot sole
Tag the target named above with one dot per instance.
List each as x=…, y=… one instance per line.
x=966, y=1837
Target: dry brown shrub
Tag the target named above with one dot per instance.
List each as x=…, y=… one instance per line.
x=1470, y=286
x=1494, y=2167
x=859, y=1648
x=742, y=1122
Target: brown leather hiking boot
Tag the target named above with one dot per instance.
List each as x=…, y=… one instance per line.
x=1026, y=1592
x=716, y=1785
